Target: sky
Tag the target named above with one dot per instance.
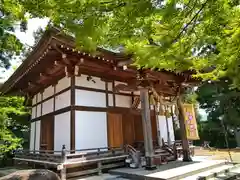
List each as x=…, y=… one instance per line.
x=26, y=38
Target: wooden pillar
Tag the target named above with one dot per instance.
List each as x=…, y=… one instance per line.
x=185, y=145
x=72, y=116
x=173, y=122
x=147, y=129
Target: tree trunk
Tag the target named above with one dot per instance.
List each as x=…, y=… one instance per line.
x=185, y=145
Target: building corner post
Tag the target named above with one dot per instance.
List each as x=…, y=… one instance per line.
x=147, y=129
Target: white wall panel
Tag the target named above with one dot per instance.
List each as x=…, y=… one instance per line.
x=33, y=112
x=47, y=106
x=110, y=99
x=39, y=110
x=48, y=92
x=63, y=84
x=90, y=98
x=34, y=100
x=62, y=131
x=39, y=97
x=163, y=128
x=90, y=130
x=171, y=130
x=63, y=100
x=123, y=101
x=82, y=81
x=32, y=135
x=110, y=88
x=38, y=130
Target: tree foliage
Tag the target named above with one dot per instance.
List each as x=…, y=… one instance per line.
x=222, y=102
x=11, y=17
x=13, y=123
x=167, y=34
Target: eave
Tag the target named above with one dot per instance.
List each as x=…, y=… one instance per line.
x=56, y=56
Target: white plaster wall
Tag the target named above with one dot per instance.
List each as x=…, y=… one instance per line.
x=63, y=100
x=39, y=97
x=38, y=130
x=62, y=131
x=171, y=130
x=90, y=98
x=34, y=100
x=47, y=106
x=33, y=112
x=39, y=110
x=163, y=128
x=110, y=99
x=110, y=88
x=32, y=132
x=82, y=81
x=48, y=92
x=63, y=84
x=90, y=130
x=123, y=101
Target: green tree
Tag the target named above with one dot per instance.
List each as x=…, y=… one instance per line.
x=13, y=125
x=11, y=17
x=166, y=34
x=220, y=100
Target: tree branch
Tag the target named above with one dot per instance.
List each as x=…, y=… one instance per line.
x=194, y=17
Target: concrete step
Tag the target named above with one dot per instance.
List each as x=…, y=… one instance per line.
x=233, y=174
x=210, y=173
x=186, y=171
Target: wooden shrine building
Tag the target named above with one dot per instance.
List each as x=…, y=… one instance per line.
x=87, y=101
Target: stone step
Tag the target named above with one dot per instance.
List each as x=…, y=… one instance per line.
x=209, y=173
x=186, y=171
x=233, y=174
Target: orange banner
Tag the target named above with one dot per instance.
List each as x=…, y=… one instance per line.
x=190, y=122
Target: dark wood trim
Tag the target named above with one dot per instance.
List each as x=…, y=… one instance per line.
x=35, y=125
x=109, y=109
x=106, y=87
x=60, y=111
x=73, y=96
x=100, y=90
x=54, y=108
x=41, y=103
x=54, y=97
x=113, y=90
x=55, y=94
